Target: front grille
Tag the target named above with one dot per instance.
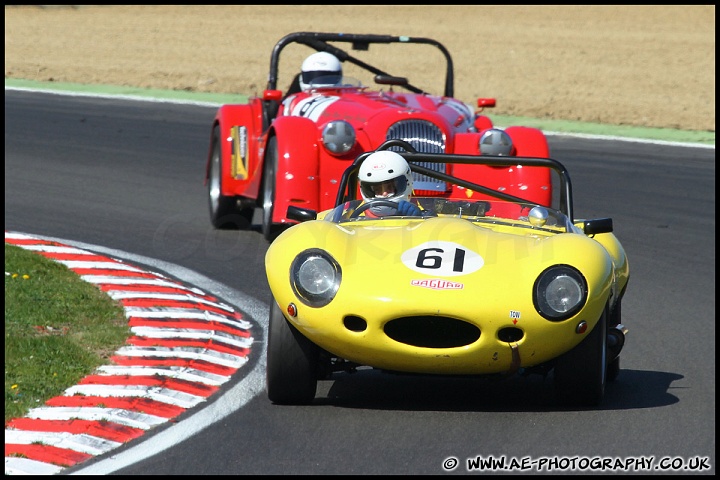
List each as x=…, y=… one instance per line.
x=432, y=331
x=425, y=137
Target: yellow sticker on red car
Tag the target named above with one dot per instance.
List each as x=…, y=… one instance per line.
x=441, y=258
x=238, y=150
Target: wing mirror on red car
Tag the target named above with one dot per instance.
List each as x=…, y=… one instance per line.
x=486, y=102
x=272, y=95
x=390, y=80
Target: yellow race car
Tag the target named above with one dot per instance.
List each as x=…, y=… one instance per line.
x=489, y=284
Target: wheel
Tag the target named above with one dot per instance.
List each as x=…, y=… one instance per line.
x=372, y=203
x=269, y=230
x=224, y=213
x=613, y=369
x=292, y=362
x=580, y=374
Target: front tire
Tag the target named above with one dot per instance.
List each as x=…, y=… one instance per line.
x=580, y=374
x=292, y=362
x=613, y=369
x=270, y=230
x=271, y=160
x=224, y=212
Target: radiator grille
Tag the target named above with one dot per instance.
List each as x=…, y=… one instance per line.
x=425, y=137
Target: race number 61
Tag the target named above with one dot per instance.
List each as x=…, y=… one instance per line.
x=442, y=258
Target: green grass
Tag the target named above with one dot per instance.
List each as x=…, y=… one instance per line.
x=548, y=125
x=58, y=329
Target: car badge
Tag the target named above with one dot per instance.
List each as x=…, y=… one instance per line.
x=437, y=284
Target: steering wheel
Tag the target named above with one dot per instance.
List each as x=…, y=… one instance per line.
x=372, y=203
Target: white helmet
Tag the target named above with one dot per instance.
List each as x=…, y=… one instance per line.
x=385, y=175
x=496, y=142
x=322, y=69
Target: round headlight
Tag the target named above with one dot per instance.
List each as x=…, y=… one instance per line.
x=315, y=277
x=338, y=137
x=560, y=292
x=495, y=142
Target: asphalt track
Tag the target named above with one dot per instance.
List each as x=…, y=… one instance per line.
x=580, y=129
x=254, y=380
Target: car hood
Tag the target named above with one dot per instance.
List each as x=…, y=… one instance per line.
x=427, y=256
x=360, y=108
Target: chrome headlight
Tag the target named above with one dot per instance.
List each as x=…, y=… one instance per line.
x=559, y=292
x=338, y=137
x=315, y=277
x=495, y=142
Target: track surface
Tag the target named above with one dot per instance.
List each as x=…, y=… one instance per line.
x=128, y=176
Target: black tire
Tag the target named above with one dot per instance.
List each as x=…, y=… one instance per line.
x=269, y=230
x=224, y=212
x=580, y=374
x=292, y=362
x=613, y=369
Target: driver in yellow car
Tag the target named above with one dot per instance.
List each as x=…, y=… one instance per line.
x=385, y=175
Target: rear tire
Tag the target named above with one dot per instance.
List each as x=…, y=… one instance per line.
x=224, y=212
x=292, y=362
x=580, y=374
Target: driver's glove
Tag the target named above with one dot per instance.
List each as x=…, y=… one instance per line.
x=406, y=208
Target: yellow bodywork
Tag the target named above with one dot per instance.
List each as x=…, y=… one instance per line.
x=492, y=289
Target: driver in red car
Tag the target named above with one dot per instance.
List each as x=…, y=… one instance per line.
x=385, y=175
x=319, y=70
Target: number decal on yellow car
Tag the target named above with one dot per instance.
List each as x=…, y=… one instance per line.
x=442, y=258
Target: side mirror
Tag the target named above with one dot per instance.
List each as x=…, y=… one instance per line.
x=301, y=214
x=275, y=95
x=390, y=80
x=486, y=102
x=598, y=225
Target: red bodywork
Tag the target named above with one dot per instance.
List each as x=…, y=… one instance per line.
x=308, y=175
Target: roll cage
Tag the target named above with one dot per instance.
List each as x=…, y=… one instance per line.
x=348, y=184
x=347, y=190
x=361, y=42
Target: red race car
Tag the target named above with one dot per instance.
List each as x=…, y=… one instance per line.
x=290, y=148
